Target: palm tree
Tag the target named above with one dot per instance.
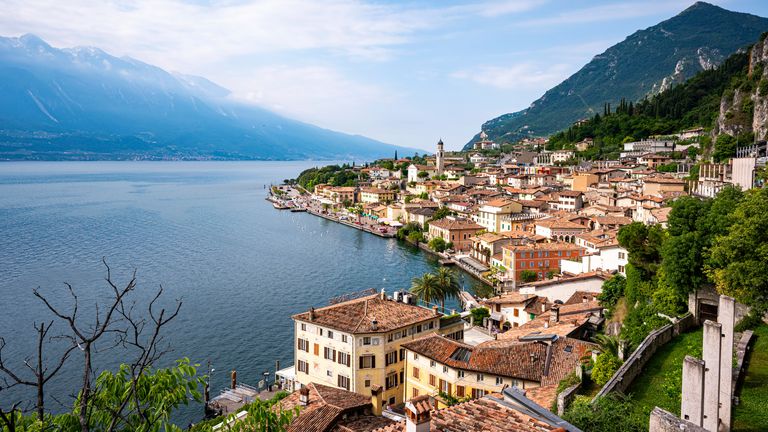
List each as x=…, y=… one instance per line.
x=425, y=288
x=448, y=285
x=612, y=344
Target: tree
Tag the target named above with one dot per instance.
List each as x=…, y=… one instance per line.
x=725, y=148
x=528, y=276
x=440, y=213
x=608, y=344
x=737, y=260
x=478, y=314
x=612, y=291
x=425, y=288
x=643, y=244
x=607, y=414
x=448, y=284
x=422, y=174
x=415, y=237
x=137, y=397
x=605, y=366
x=437, y=244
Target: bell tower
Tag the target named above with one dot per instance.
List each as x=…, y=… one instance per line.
x=439, y=162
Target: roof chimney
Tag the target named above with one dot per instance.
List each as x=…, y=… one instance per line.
x=304, y=396
x=434, y=310
x=376, y=399
x=312, y=314
x=234, y=379
x=554, y=314
x=418, y=414
x=374, y=324
x=383, y=294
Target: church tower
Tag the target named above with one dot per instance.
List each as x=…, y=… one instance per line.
x=439, y=158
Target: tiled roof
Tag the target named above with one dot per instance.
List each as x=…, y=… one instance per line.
x=576, y=278
x=456, y=224
x=559, y=223
x=480, y=415
x=543, y=246
x=579, y=296
x=325, y=407
x=510, y=298
x=356, y=316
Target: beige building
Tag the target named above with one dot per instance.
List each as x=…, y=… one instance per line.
x=355, y=345
x=456, y=231
x=660, y=185
x=376, y=195
x=491, y=213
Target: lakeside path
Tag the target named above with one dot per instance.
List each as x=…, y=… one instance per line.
x=295, y=200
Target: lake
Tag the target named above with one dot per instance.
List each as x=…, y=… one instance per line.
x=201, y=229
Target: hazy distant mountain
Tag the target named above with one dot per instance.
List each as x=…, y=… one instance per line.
x=647, y=62
x=82, y=103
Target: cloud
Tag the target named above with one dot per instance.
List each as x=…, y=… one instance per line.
x=609, y=12
x=520, y=76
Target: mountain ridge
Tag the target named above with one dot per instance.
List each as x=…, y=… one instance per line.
x=83, y=103
x=644, y=63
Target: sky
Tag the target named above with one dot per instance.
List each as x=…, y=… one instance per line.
x=405, y=73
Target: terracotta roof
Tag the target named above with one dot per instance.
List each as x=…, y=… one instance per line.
x=356, y=316
x=576, y=278
x=559, y=223
x=661, y=214
x=543, y=246
x=612, y=220
x=664, y=180
x=325, y=407
x=484, y=414
x=500, y=202
x=510, y=298
x=542, y=395
x=455, y=224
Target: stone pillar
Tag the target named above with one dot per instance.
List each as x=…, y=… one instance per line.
x=711, y=359
x=726, y=313
x=692, y=407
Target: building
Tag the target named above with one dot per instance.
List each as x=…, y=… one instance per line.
x=439, y=158
x=414, y=170
x=355, y=345
x=564, y=288
x=376, y=195
x=562, y=156
x=456, y=231
x=540, y=258
x=329, y=409
x=582, y=181
x=485, y=143
x=659, y=185
x=513, y=308
x=567, y=200
x=437, y=364
x=490, y=214
x=559, y=229
x=486, y=245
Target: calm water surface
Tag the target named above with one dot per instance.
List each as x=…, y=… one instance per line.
x=201, y=229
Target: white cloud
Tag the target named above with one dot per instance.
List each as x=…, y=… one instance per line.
x=609, y=12
x=520, y=76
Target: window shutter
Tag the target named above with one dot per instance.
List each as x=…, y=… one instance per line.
x=373, y=362
x=361, y=362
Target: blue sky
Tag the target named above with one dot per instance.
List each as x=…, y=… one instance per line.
x=405, y=73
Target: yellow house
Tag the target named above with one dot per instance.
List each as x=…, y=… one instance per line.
x=376, y=195
x=661, y=185
x=356, y=344
x=583, y=180
x=436, y=364
x=491, y=213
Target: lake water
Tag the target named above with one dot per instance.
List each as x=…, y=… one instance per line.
x=201, y=229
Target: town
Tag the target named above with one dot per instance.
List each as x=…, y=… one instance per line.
x=541, y=230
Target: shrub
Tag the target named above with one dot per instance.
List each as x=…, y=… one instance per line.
x=478, y=314
x=612, y=291
x=605, y=366
x=754, y=319
x=528, y=276
x=437, y=244
x=607, y=414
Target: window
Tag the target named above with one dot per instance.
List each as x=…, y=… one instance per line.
x=390, y=358
x=445, y=386
x=317, y=349
x=367, y=362
x=329, y=373
x=432, y=380
x=391, y=381
x=431, y=325
x=477, y=393
x=303, y=366
x=480, y=377
x=366, y=340
x=431, y=363
x=405, y=333
x=460, y=391
x=320, y=331
x=418, y=328
x=499, y=380
x=516, y=312
x=622, y=255
x=343, y=358
x=416, y=372
x=344, y=338
x=329, y=353
x=392, y=400
x=302, y=345
x=415, y=392
x=621, y=269
x=402, y=354
x=303, y=327
x=343, y=382
x=415, y=356
x=330, y=334
x=460, y=374
x=367, y=383
x=445, y=369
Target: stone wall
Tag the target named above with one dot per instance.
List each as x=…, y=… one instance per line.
x=665, y=421
x=623, y=378
x=566, y=397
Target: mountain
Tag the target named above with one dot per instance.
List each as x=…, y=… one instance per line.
x=82, y=103
x=647, y=62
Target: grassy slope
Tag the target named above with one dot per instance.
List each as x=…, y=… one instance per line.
x=752, y=412
x=659, y=384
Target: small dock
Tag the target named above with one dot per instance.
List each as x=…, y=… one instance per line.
x=446, y=262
